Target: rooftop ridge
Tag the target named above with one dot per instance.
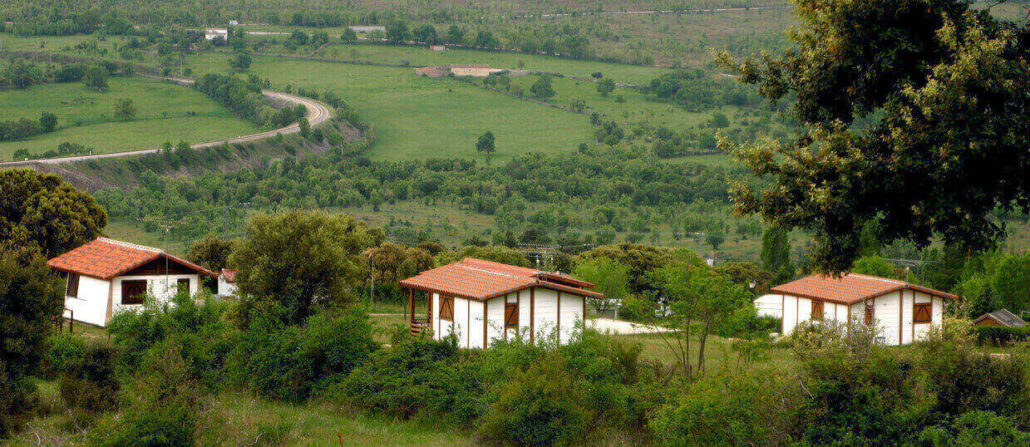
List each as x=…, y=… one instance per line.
x=130, y=245
x=493, y=272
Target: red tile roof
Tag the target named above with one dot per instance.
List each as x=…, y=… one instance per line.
x=481, y=280
x=106, y=258
x=850, y=288
x=230, y=275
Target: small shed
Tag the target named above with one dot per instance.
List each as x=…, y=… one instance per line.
x=438, y=47
x=483, y=301
x=105, y=276
x=902, y=312
x=1001, y=317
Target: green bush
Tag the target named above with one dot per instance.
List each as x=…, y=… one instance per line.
x=545, y=405
x=62, y=350
x=164, y=404
x=89, y=380
x=420, y=377
x=637, y=309
x=983, y=428
x=291, y=362
x=1001, y=336
x=745, y=323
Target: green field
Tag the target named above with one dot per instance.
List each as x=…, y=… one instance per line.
x=165, y=112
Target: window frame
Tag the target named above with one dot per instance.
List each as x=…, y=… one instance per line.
x=447, y=308
x=514, y=312
x=822, y=311
x=138, y=299
x=179, y=283
x=928, y=312
x=71, y=288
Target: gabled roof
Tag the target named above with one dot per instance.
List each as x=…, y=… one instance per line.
x=1003, y=317
x=481, y=280
x=850, y=288
x=106, y=258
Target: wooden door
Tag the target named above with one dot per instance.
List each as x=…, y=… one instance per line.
x=817, y=311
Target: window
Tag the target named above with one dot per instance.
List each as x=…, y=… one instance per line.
x=870, y=314
x=817, y=311
x=446, y=308
x=511, y=315
x=922, y=312
x=134, y=291
x=183, y=285
x=73, y=285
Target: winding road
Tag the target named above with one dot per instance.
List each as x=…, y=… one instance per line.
x=317, y=113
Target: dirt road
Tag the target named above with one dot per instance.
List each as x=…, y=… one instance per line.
x=317, y=113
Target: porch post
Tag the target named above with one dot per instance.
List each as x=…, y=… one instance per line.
x=411, y=293
x=411, y=303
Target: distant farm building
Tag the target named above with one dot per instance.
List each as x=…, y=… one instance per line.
x=438, y=47
x=476, y=71
x=1001, y=318
x=216, y=33
x=367, y=28
x=106, y=276
x=902, y=312
x=481, y=302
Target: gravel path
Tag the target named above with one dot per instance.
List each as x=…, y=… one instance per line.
x=618, y=327
x=317, y=113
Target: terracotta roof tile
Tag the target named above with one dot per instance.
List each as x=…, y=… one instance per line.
x=106, y=258
x=479, y=279
x=849, y=288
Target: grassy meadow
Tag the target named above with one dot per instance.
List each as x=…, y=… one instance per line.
x=165, y=112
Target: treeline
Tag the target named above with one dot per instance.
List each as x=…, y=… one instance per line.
x=83, y=21
x=244, y=98
x=698, y=91
x=24, y=128
x=25, y=72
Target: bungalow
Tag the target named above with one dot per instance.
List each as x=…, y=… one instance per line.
x=903, y=312
x=482, y=302
x=105, y=276
x=227, y=282
x=1001, y=318
x=477, y=71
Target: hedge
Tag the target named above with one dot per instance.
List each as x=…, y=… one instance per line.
x=1001, y=336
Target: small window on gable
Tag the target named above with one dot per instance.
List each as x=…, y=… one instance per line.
x=870, y=313
x=922, y=313
x=73, y=285
x=817, y=311
x=446, y=308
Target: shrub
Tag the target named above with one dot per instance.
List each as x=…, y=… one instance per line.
x=419, y=377
x=164, y=403
x=637, y=309
x=542, y=406
x=63, y=350
x=745, y=323
x=89, y=380
x=1001, y=336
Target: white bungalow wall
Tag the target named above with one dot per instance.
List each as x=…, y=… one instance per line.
x=893, y=314
x=91, y=304
x=495, y=319
x=162, y=287
x=538, y=314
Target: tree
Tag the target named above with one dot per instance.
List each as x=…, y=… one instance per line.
x=605, y=86
x=240, y=61
x=299, y=37
x=394, y=262
x=610, y=277
x=640, y=259
x=41, y=210
x=302, y=261
x=95, y=78
x=455, y=35
x=31, y=302
x=426, y=34
x=886, y=91
x=349, y=36
x=875, y=266
x=22, y=74
x=715, y=239
x=124, y=109
x=1011, y=282
x=485, y=39
x=776, y=254
x=211, y=252
x=397, y=31
x=542, y=87
x=48, y=121
x=697, y=296
x=485, y=145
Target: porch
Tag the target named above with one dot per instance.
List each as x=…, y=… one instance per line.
x=419, y=320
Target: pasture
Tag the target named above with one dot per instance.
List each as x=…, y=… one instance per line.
x=165, y=112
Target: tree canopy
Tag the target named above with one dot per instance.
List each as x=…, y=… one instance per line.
x=44, y=211
x=915, y=114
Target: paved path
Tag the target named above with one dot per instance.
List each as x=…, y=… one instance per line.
x=618, y=327
x=317, y=113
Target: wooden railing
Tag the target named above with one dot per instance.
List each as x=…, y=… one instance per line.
x=418, y=326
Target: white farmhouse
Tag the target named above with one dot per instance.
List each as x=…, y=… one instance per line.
x=903, y=312
x=483, y=301
x=227, y=283
x=106, y=276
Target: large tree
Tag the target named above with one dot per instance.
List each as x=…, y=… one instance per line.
x=302, y=260
x=913, y=113
x=31, y=301
x=41, y=210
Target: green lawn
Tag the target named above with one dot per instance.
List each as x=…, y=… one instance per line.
x=418, y=118
x=165, y=112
